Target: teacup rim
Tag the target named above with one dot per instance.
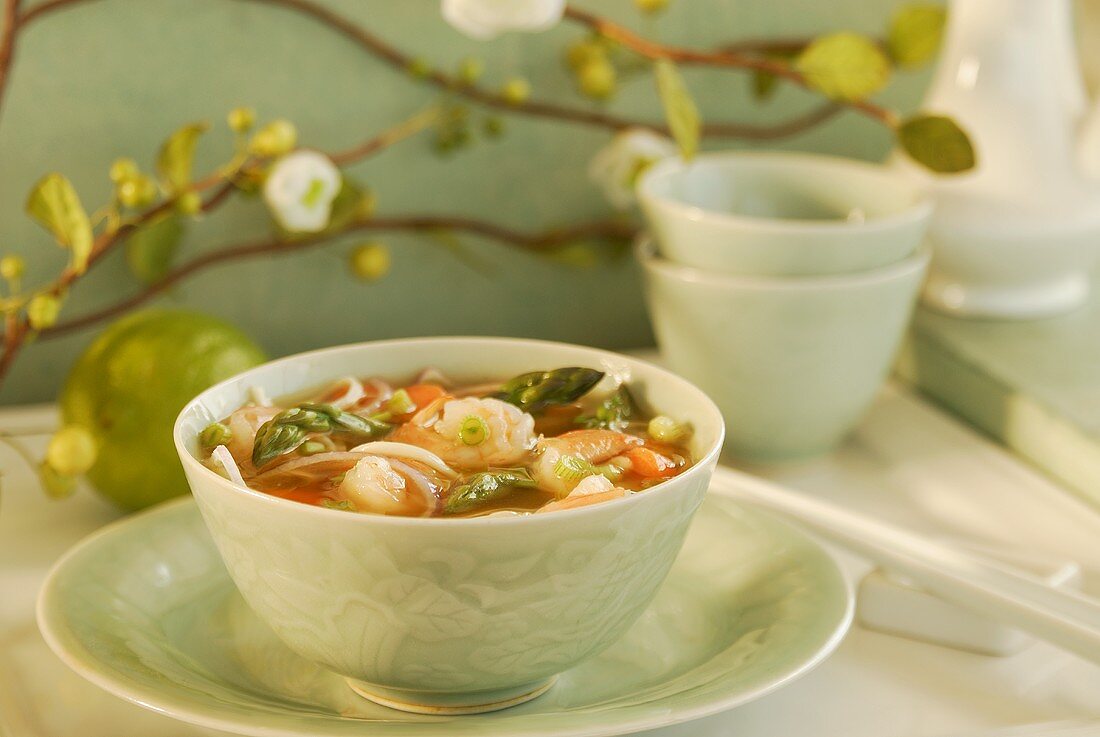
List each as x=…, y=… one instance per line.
x=919, y=209
x=645, y=253
x=703, y=465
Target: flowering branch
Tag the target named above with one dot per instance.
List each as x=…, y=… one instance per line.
x=220, y=185
x=401, y=61
x=723, y=58
x=600, y=229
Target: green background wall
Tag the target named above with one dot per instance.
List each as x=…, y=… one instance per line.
x=113, y=77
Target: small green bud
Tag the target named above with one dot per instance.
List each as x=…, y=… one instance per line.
x=470, y=70
x=189, y=203
x=597, y=78
x=581, y=52
x=651, y=6
x=311, y=448
x=370, y=261
x=494, y=126
x=516, y=90
x=136, y=191
x=55, y=484
x=274, y=139
x=241, y=119
x=123, y=169
x=12, y=267
x=42, y=310
x=71, y=451
x=215, y=434
x=419, y=67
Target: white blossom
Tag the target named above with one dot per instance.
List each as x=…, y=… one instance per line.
x=486, y=19
x=618, y=165
x=300, y=190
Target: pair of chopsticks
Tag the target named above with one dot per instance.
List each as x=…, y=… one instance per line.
x=1064, y=618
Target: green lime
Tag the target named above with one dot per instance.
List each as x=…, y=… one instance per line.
x=130, y=384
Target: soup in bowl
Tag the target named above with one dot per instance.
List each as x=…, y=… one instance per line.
x=450, y=522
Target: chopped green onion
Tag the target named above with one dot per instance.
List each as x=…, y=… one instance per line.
x=573, y=468
x=311, y=448
x=473, y=431
x=667, y=430
x=382, y=416
x=215, y=434
x=610, y=471
x=400, y=403
x=342, y=504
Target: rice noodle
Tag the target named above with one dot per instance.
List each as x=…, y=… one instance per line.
x=477, y=390
x=353, y=392
x=408, y=451
x=419, y=480
x=258, y=396
x=309, y=467
x=432, y=375
x=224, y=459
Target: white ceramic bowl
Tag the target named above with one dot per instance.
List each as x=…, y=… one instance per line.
x=782, y=214
x=792, y=362
x=449, y=614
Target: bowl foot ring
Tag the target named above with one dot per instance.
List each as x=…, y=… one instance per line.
x=419, y=702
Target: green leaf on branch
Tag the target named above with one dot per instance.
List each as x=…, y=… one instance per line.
x=915, y=33
x=938, y=143
x=844, y=66
x=177, y=154
x=55, y=205
x=152, y=248
x=353, y=203
x=680, y=110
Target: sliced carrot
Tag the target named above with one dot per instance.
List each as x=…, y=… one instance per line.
x=421, y=395
x=648, y=464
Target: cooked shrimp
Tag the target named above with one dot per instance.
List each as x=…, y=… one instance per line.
x=471, y=433
x=591, y=446
x=243, y=425
x=590, y=490
x=388, y=486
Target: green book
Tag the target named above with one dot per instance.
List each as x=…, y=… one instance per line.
x=1032, y=385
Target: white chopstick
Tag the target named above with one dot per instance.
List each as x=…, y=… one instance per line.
x=1064, y=618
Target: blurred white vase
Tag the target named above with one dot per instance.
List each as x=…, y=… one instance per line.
x=1018, y=236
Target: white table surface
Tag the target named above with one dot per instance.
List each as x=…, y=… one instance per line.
x=908, y=463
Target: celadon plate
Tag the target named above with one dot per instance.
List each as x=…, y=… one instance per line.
x=145, y=609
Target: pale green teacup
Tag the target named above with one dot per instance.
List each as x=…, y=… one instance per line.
x=449, y=615
x=792, y=362
x=782, y=214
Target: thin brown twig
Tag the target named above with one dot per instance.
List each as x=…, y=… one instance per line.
x=604, y=229
x=783, y=46
x=10, y=20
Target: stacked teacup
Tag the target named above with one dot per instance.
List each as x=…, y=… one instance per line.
x=782, y=284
